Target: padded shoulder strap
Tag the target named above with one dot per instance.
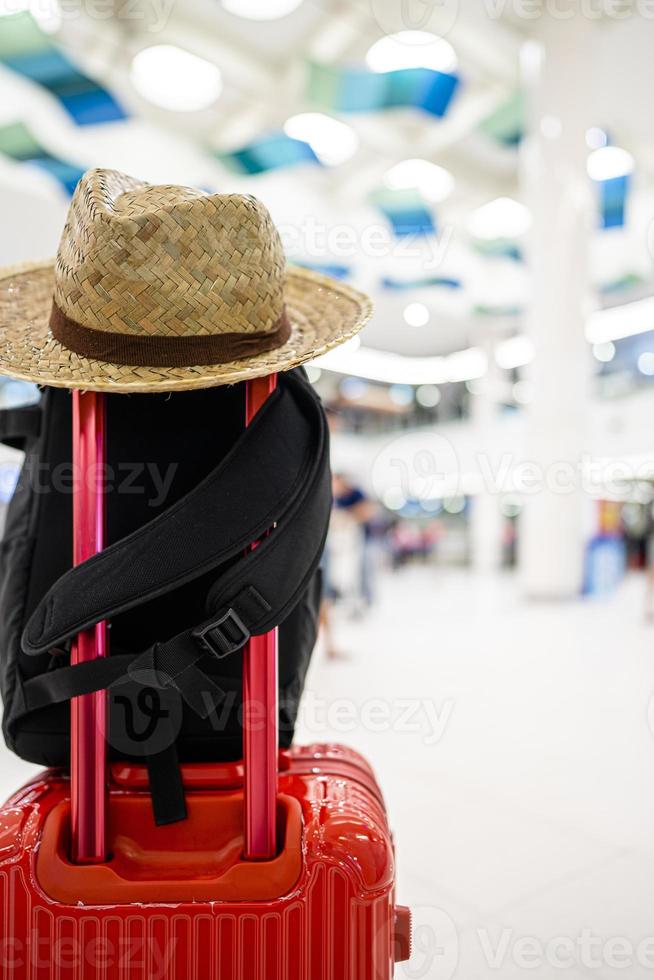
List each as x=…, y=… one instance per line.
x=277, y=474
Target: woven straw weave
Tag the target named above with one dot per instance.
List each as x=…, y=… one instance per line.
x=168, y=261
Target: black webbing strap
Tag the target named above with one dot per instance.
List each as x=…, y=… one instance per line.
x=200, y=692
x=277, y=474
x=64, y=683
x=166, y=786
x=20, y=425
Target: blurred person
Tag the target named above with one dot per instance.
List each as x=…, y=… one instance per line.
x=649, y=571
x=351, y=500
x=340, y=573
x=332, y=591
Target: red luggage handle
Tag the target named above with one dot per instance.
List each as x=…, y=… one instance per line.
x=260, y=708
x=89, y=712
x=88, y=718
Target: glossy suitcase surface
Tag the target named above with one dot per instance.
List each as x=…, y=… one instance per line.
x=284, y=869
x=335, y=921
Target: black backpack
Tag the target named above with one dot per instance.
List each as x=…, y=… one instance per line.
x=189, y=488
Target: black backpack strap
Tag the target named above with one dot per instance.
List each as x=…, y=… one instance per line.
x=20, y=426
x=247, y=493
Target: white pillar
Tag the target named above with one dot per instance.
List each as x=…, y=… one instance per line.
x=557, y=72
x=486, y=522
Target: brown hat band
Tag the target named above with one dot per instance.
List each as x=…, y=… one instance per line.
x=144, y=351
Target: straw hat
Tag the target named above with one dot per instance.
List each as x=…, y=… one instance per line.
x=161, y=288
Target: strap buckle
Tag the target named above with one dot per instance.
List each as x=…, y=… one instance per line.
x=224, y=636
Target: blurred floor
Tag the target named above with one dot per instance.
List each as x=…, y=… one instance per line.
x=532, y=817
x=513, y=745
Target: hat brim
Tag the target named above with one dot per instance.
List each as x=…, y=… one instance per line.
x=323, y=314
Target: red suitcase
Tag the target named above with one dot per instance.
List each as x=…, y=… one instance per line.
x=284, y=869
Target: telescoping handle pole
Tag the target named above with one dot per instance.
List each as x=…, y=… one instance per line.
x=260, y=725
x=88, y=765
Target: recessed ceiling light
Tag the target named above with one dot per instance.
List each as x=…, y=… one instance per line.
x=174, y=78
x=454, y=505
x=434, y=182
x=261, y=9
x=501, y=218
x=428, y=396
x=646, y=363
x=401, y=395
x=411, y=49
x=416, y=315
x=331, y=140
x=604, y=352
x=393, y=498
x=609, y=162
x=511, y=505
x=551, y=127
x=353, y=388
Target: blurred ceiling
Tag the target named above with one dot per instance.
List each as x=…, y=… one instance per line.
x=326, y=212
